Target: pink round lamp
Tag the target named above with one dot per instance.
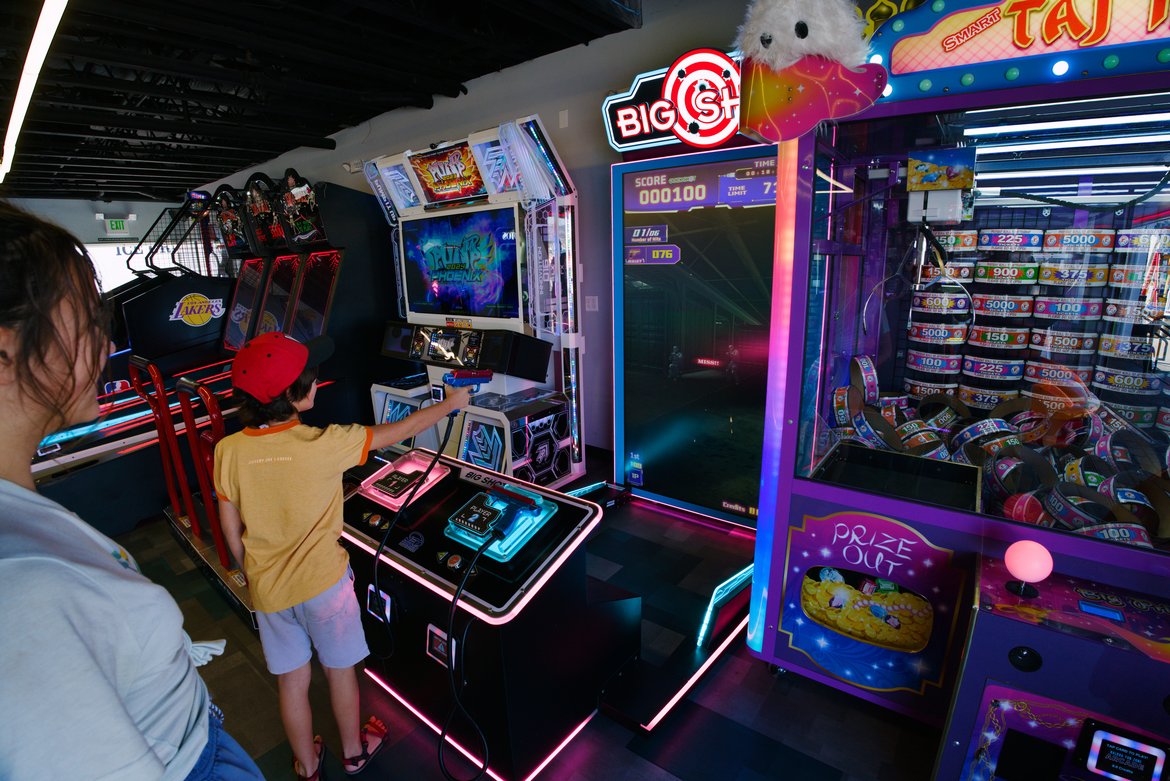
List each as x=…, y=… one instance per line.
x=1028, y=562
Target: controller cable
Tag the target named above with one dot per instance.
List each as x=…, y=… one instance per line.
x=457, y=705
x=390, y=527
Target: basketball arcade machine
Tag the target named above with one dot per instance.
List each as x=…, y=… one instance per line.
x=170, y=314
x=485, y=254
x=286, y=279
x=997, y=379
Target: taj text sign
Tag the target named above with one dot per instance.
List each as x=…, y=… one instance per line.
x=695, y=101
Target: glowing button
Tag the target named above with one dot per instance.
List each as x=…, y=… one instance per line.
x=1060, y=67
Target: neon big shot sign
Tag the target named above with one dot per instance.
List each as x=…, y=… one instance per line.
x=695, y=101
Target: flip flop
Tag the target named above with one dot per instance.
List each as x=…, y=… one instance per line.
x=372, y=728
x=320, y=762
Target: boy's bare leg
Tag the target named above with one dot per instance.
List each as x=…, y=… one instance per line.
x=297, y=716
x=343, y=693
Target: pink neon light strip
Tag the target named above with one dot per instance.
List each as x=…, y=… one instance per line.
x=695, y=678
x=471, y=757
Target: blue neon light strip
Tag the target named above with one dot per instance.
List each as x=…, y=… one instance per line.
x=586, y=489
x=719, y=596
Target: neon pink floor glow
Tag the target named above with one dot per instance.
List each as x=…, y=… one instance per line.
x=471, y=757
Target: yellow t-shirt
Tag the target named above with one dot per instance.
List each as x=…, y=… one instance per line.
x=286, y=482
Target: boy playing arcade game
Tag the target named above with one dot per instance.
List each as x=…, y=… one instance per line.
x=280, y=503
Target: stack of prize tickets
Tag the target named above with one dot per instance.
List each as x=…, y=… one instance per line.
x=940, y=316
x=1003, y=307
x=1127, y=377
x=1062, y=460
x=1067, y=311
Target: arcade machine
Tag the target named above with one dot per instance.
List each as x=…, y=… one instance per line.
x=478, y=608
x=289, y=271
x=485, y=257
x=973, y=353
x=472, y=571
x=693, y=213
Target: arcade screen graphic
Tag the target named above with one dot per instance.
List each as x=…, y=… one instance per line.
x=448, y=174
x=462, y=264
x=697, y=245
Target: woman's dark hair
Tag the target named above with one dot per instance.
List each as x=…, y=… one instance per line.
x=41, y=266
x=253, y=413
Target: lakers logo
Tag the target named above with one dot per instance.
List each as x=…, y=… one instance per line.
x=196, y=309
x=268, y=324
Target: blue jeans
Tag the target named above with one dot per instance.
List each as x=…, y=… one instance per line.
x=223, y=759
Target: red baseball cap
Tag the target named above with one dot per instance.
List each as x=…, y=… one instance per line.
x=265, y=367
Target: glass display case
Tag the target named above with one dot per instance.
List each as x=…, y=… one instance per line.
x=986, y=315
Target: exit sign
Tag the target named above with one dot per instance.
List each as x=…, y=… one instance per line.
x=117, y=228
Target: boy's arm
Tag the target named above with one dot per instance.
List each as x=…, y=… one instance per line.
x=420, y=420
x=233, y=530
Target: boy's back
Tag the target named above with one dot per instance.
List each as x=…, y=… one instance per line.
x=286, y=481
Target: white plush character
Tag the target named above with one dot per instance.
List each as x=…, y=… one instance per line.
x=780, y=32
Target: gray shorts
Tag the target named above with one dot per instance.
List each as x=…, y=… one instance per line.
x=331, y=622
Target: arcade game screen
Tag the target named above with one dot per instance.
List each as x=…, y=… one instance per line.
x=990, y=289
x=464, y=263
x=697, y=286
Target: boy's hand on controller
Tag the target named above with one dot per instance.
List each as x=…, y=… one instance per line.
x=457, y=397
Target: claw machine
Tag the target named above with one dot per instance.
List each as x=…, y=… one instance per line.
x=973, y=351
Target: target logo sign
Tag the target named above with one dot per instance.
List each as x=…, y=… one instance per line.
x=695, y=100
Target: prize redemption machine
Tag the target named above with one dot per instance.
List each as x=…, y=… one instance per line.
x=975, y=355
x=485, y=252
x=471, y=572
x=171, y=314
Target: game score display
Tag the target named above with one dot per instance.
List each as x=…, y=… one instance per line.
x=735, y=183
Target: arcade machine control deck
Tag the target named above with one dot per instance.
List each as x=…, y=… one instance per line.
x=455, y=511
x=527, y=622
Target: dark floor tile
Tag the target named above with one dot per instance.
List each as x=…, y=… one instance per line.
x=685, y=745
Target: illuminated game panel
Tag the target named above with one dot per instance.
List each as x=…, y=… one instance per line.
x=392, y=484
x=508, y=510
